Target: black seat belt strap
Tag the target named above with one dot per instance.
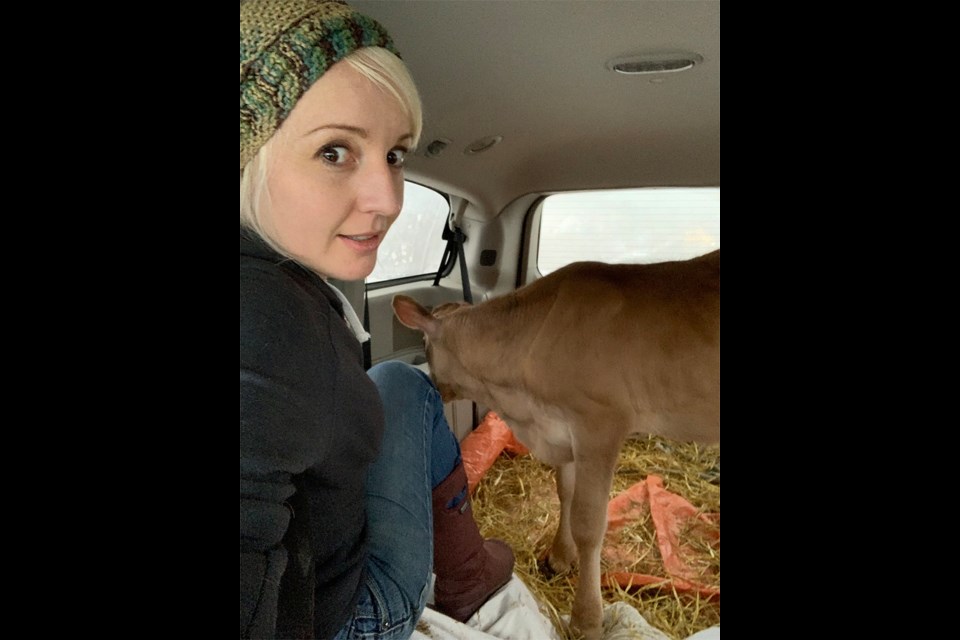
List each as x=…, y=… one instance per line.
x=454, y=248
x=464, y=276
x=367, y=355
x=448, y=257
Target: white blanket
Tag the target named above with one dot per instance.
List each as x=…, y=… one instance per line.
x=513, y=614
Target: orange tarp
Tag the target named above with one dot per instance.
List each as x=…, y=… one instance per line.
x=482, y=446
x=670, y=513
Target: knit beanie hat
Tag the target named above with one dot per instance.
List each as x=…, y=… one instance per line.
x=285, y=46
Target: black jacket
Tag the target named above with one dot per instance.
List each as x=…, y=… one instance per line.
x=311, y=422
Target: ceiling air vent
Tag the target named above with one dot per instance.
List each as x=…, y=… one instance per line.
x=647, y=63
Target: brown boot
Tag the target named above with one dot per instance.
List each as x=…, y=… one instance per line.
x=469, y=569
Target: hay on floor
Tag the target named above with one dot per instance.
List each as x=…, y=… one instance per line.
x=516, y=501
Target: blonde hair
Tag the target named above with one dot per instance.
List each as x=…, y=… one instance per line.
x=384, y=69
x=378, y=65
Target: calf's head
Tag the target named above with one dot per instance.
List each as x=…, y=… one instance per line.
x=447, y=372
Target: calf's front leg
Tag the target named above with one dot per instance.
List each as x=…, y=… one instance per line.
x=588, y=523
x=563, y=551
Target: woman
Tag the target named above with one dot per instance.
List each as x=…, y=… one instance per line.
x=351, y=485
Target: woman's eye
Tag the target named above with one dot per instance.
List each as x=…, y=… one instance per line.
x=396, y=157
x=334, y=154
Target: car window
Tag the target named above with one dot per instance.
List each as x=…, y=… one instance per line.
x=414, y=244
x=628, y=226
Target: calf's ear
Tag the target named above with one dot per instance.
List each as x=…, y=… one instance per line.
x=412, y=315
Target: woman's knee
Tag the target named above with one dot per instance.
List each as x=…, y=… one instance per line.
x=414, y=403
x=394, y=378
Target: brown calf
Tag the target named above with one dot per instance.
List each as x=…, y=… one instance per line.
x=577, y=361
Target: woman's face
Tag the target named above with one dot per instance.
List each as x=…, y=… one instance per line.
x=335, y=175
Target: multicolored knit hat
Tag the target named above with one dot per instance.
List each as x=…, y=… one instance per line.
x=285, y=45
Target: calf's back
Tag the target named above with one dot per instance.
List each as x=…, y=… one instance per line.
x=611, y=349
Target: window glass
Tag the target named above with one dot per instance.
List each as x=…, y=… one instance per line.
x=628, y=226
x=414, y=245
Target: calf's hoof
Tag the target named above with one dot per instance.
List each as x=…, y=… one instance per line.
x=549, y=566
x=543, y=566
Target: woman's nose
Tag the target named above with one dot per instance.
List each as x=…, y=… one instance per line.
x=381, y=190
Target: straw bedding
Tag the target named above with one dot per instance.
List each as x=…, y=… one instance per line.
x=516, y=501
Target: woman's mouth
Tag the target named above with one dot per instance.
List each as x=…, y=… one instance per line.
x=363, y=243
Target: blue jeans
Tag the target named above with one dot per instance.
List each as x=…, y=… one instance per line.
x=418, y=452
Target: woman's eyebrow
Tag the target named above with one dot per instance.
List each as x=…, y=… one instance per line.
x=360, y=131
x=344, y=127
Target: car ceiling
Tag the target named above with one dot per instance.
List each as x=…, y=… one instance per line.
x=535, y=72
